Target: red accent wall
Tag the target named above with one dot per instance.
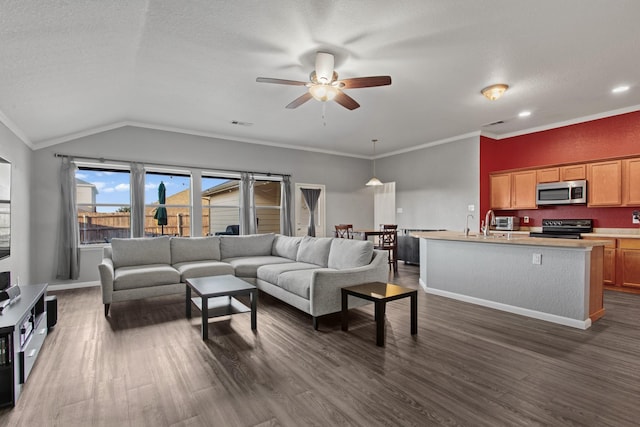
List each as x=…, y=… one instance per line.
x=605, y=138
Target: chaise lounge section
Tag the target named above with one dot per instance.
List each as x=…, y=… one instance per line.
x=305, y=272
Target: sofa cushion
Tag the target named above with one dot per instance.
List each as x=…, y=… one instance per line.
x=285, y=246
x=244, y=246
x=270, y=273
x=314, y=250
x=347, y=253
x=184, y=249
x=142, y=276
x=141, y=251
x=189, y=270
x=297, y=282
x=248, y=266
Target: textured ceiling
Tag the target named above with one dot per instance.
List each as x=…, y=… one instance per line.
x=75, y=67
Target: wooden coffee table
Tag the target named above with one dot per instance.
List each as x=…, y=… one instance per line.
x=380, y=293
x=216, y=298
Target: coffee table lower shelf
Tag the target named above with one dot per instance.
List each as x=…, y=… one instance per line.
x=221, y=306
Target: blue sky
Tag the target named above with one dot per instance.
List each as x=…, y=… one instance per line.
x=113, y=187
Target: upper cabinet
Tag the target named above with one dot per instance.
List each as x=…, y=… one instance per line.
x=604, y=183
x=516, y=190
x=500, y=191
x=523, y=194
x=631, y=182
x=548, y=175
x=609, y=183
x=573, y=172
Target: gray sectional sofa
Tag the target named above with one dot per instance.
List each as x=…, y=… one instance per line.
x=305, y=272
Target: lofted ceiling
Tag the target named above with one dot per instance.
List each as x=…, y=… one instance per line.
x=76, y=67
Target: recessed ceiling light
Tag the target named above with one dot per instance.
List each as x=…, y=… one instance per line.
x=524, y=114
x=620, y=89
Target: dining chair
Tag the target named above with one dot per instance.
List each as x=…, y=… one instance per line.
x=344, y=231
x=388, y=241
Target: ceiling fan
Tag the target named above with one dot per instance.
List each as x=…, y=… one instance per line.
x=325, y=86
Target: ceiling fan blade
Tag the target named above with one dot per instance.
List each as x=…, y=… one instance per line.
x=299, y=100
x=346, y=101
x=359, y=82
x=280, y=81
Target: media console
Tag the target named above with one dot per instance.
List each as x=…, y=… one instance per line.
x=23, y=328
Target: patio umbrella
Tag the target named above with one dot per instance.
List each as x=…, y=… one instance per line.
x=161, y=211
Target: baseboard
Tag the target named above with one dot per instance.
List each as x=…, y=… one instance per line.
x=561, y=320
x=64, y=286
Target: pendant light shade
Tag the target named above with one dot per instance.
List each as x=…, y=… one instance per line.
x=374, y=181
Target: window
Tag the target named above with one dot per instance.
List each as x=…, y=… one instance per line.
x=267, y=201
x=177, y=203
x=220, y=205
x=103, y=199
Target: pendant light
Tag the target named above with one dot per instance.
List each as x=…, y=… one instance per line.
x=374, y=181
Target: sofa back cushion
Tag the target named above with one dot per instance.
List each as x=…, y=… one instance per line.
x=186, y=249
x=141, y=251
x=286, y=247
x=314, y=250
x=251, y=245
x=347, y=253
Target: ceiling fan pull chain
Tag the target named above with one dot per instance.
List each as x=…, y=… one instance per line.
x=324, y=113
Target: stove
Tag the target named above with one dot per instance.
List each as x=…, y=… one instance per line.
x=564, y=228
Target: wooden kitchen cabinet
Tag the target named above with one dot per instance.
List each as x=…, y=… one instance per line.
x=500, y=191
x=628, y=263
x=515, y=190
x=523, y=194
x=573, y=172
x=548, y=175
x=631, y=182
x=605, y=183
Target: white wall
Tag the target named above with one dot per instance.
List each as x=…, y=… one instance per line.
x=20, y=156
x=348, y=200
x=435, y=185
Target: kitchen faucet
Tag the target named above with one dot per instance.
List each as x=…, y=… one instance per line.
x=488, y=220
x=466, y=228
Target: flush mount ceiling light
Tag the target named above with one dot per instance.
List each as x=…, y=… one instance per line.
x=374, y=181
x=494, y=92
x=524, y=114
x=620, y=89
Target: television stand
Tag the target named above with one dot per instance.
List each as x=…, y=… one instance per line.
x=23, y=328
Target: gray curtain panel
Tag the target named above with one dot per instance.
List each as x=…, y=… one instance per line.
x=311, y=196
x=286, y=221
x=247, y=205
x=68, y=231
x=137, y=200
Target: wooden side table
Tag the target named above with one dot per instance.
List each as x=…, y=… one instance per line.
x=380, y=293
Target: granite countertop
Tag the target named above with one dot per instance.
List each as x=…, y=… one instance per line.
x=511, y=238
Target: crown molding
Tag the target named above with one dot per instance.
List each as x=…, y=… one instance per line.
x=15, y=130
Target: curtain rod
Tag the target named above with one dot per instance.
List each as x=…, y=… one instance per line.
x=104, y=159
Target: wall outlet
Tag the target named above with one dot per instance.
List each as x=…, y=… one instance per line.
x=526, y=220
x=537, y=259
x=471, y=208
x=399, y=210
x=635, y=215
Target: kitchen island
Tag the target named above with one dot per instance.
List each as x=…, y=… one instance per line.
x=557, y=280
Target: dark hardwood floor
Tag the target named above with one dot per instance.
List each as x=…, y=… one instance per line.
x=146, y=365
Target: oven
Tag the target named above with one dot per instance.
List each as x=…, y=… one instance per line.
x=564, y=228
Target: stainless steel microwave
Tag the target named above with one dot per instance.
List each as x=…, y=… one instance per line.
x=561, y=193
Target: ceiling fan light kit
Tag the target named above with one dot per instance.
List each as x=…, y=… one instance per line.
x=494, y=92
x=324, y=85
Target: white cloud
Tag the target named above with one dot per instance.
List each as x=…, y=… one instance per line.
x=122, y=187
